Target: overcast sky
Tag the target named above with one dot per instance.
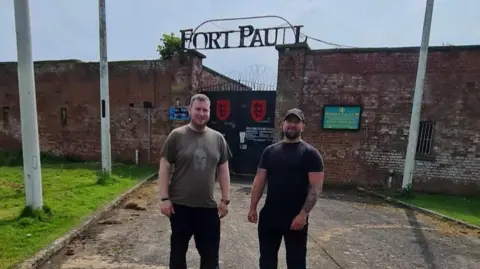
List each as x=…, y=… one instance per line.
x=68, y=29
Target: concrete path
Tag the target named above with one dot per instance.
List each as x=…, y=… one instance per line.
x=346, y=231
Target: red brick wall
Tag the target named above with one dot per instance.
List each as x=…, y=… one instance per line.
x=75, y=86
x=382, y=80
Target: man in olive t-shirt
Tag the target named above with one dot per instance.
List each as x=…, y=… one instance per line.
x=195, y=154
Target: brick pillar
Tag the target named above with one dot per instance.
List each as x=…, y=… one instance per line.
x=290, y=82
x=186, y=80
x=197, y=64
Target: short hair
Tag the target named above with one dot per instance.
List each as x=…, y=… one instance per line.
x=199, y=97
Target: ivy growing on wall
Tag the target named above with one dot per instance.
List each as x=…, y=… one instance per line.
x=170, y=46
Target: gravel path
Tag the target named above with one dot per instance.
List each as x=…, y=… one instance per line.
x=347, y=230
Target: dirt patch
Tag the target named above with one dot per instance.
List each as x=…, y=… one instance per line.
x=447, y=227
x=444, y=227
x=110, y=222
x=142, y=198
x=136, y=204
x=12, y=185
x=147, y=192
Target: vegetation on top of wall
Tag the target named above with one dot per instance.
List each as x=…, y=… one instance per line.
x=170, y=46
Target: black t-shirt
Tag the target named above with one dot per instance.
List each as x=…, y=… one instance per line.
x=288, y=165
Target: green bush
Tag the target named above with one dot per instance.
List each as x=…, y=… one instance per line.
x=169, y=47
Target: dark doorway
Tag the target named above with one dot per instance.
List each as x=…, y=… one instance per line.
x=246, y=117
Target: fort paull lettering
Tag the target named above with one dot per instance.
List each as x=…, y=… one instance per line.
x=260, y=37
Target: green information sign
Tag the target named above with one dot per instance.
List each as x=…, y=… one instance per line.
x=337, y=117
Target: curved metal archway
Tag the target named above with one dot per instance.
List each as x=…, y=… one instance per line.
x=242, y=18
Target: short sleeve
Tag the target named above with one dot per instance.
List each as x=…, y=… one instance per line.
x=263, y=164
x=225, y=152
x=314, y=161
x=169, y=148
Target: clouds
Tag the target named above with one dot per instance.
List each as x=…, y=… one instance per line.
x=69, y=29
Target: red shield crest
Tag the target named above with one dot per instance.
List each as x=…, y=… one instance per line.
x=223, y=109
x=258, y=109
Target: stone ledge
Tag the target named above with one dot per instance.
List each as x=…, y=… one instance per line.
x=49, y=251
x=286, y=47
x=196, y=53
x=420, y=209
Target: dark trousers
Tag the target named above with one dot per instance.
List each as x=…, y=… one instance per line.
x=201, y=223
x=271, y=229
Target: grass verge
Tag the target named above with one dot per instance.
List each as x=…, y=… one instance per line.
x=466, y=209
x=71, y=191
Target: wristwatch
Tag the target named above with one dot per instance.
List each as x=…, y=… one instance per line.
x=225, y=201
x=164, y=199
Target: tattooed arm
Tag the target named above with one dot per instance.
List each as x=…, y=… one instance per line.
x=315, y=178
x=314, y=189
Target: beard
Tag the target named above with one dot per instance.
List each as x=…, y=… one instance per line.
x=292, y=135
x=198, y=124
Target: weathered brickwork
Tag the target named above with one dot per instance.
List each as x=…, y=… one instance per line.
x=382, y=80
x=73, y=87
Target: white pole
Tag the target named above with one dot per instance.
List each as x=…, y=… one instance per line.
x=28, y=107
x=149, y=133
x=417, y=98
x=104, y=94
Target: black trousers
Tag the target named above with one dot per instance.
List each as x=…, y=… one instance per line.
x=271, y=229
x=201, y=223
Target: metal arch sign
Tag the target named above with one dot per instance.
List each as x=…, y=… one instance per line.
x=248, y=36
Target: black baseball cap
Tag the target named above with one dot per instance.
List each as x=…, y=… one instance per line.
x=295, y=112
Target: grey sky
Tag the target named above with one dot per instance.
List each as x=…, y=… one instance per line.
x=68, y=29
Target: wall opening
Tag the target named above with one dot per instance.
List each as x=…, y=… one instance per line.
x=63, y=116
x=5, y=116
x=426, y=132
x=147, y=104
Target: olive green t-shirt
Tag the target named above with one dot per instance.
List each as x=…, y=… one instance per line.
x=195, y=157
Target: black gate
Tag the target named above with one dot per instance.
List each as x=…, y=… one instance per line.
x=246, y=117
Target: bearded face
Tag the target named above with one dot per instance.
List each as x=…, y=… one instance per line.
x=292, y=127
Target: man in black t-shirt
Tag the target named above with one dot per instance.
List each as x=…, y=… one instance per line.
x=293, y=170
